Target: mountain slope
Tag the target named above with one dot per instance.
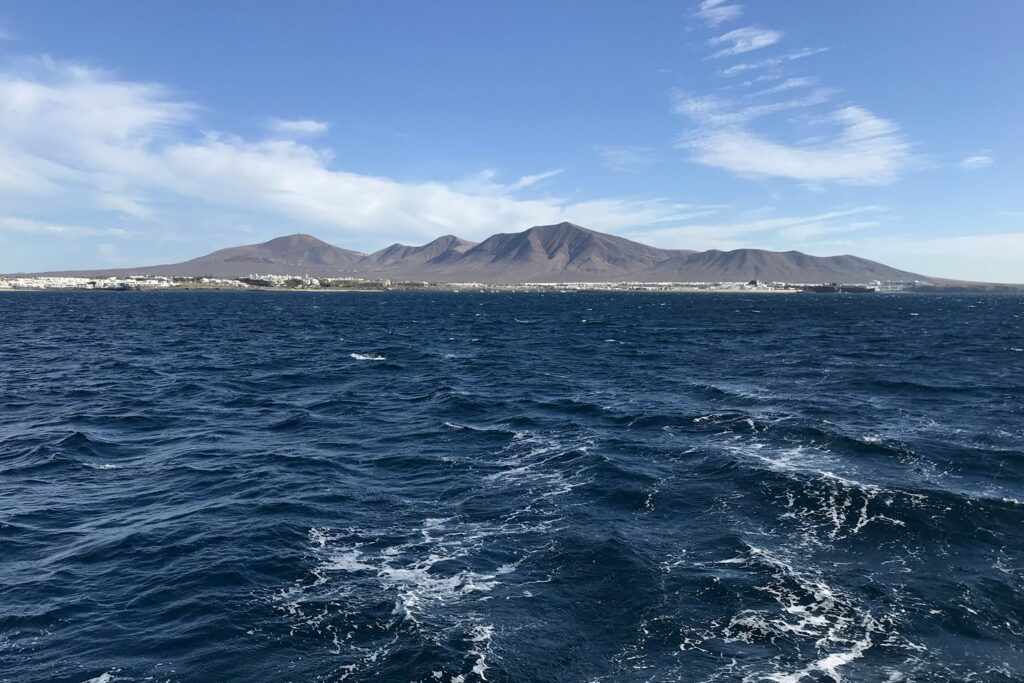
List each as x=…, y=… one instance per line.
x=289, y=255
x=554, y=252
x=448, y=247
x=772, y=266
x=546, y=253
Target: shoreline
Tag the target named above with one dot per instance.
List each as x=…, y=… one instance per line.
x=341, y=286
x=514, y=289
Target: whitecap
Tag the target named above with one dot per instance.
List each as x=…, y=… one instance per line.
x=364, y=356
x=808, y=609
x=481, y=637
x=102, y=678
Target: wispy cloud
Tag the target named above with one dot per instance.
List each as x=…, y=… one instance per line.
x=531, y=180
x=715, y=12
x=26, y=225
x=850, y=144
x=745, y=233
x=742, y=40
x=625, y=158
x=715, y=112
x=486, y=182
x=786, y=85
x=976, y=162
x=819, y=229
x=770, y=62
x=298, y=127
x=867, y=150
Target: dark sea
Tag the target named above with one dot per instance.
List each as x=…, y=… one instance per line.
x=555, y=487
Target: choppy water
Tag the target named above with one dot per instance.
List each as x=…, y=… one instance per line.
x=524, y=487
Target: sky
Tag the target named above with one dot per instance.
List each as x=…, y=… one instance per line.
x=135, y=133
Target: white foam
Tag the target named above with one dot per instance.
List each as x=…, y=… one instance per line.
x=434, y=577
x=422, y=571
x=828, y=665
x=348, y=561
x=102, y=678
x=481, y=637
x=831, y=505
x=364, y=356
x=808, y=609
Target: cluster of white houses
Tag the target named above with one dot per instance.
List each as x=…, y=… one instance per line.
x=58, y=282
x=307, y=282
x=162, y=282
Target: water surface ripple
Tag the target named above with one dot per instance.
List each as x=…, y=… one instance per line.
x=511, y=487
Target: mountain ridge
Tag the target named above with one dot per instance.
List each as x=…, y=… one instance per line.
x=562, y=252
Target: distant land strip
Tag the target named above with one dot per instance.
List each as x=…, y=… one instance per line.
x=564, y=254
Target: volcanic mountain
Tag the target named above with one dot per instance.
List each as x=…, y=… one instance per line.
x=290, y=255
x=402, y=256
x=546, y=253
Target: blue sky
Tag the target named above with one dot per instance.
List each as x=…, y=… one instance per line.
x=135, y=133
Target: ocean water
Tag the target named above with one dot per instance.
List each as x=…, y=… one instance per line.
x=511, y=487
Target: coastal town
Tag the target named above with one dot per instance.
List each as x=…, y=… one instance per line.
x=294, y=282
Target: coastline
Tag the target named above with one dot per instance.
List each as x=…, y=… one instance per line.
x=353, y=285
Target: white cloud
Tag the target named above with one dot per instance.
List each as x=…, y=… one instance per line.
x=29, y=226
x=485, y=182
x=748, y=233
x=770, y=62
x=850, y=144
x=625, y=158
x=818, y=229
x=746, y=39
x=715, y=112
x=715, y=12
x=299, y=127
x=786, y=85
x=866, y=150
x=79, y=140
x=530, y=180
x=976, y=162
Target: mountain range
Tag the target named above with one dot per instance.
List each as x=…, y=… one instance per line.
x=547, y=253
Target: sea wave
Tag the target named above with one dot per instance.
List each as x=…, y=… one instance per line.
x=414, y=486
